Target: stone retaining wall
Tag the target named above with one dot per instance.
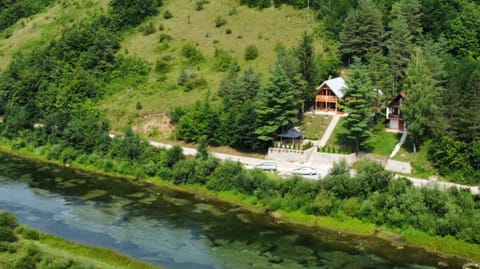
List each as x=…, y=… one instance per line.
x=290, y=155
x=331, y=158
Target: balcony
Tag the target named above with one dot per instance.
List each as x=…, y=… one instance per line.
x=394, y=116
x=326, y=98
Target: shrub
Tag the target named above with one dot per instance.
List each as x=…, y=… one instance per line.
x=8, y=220
x=199, y=4
x=138, y=106
x=7, y=235
x=161, y=27
x=191, y=52
x=228, y=31
x=162, y=66
x=164, y=37
x=148, y=29
x=223, y=61
x=219, y=21
x=68, y=154
x=30, y=234
x=251, y=52
x=196, y=83
x=167, y=15
x=7, y=247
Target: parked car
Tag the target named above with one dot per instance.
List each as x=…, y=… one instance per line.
x=305, y=171
x=267, y=166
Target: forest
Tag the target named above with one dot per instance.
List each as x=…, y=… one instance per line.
x=428, y=49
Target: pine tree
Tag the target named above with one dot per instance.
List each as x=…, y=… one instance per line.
x=399, y=44
x=307, y=68
x=363, y=31
x=357, y=99
x=412, y=10
x=421, y=109
x=276, y=106
x=306, y=57
x=380, y=74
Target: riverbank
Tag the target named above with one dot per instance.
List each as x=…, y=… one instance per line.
x=30, y=248
x=344, y=225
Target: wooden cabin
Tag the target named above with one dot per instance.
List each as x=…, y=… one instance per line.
x=394, y=114
x=329, y=94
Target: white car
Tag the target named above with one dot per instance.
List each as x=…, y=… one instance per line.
x=267, y=166
x=305, y=171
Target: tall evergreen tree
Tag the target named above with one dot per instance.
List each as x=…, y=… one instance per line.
x=305, y=52
x=399, y=45
x=236, y=90
x=307, y=67
x=412, y=10
x=357, y=99
x=363, y=31
x=276, y=106
x=421, y=106
x=380, y=75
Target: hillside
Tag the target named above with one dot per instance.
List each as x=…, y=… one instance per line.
x=265, y=29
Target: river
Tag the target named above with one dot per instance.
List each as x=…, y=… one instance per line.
x=177, y=230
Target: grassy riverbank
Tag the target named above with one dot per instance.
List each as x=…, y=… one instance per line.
x=345, y=224
x=24, y=247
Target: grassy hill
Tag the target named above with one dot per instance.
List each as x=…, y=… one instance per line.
x=43, y=27
x=265, y=29
x=159, y=91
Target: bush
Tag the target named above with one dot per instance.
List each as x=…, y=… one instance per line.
x=199, y=4
x=148, y=29
x=30, y=234
x=7, y=247
x=162, y=65
x=219, y=21
x=223, y=61
x=228, y=31
x=7, y=235
x=164, y=37
x=167, y=15
x=251, y=52
x=196, y=83
x=8, y=220
x=191, y=52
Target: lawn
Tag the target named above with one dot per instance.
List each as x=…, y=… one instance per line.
x=421, y=166
x=382, y=142
x=315, y=125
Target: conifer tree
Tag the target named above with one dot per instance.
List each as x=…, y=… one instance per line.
x=363, y=31
x=421, y=109
x=276, y=106
x=399, y=45
x=358, y=97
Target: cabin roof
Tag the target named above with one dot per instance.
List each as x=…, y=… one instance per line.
x=337, y=85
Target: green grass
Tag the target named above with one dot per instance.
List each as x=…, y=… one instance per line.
x=446, y=245
x=55, y=248
x=315, y=125
x=265, y=29
x=382, y=142
x=421, y=166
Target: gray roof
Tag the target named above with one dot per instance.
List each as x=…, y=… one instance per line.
x=337, y=85
x=291, y=134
